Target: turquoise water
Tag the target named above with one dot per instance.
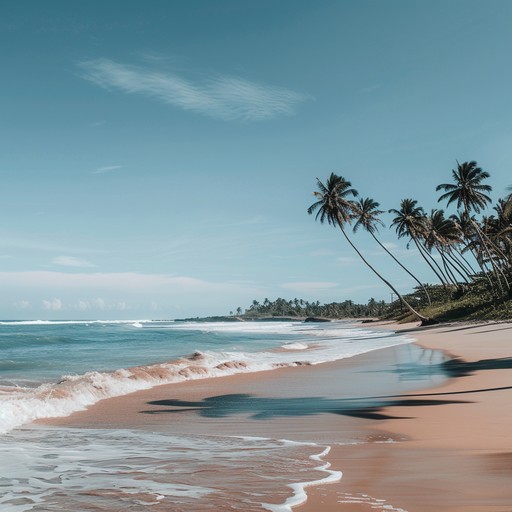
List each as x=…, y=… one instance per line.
x=37, y=352
x=55, y=368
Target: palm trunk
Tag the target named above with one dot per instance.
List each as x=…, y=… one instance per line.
x=497, y=271
x=448, y=267
x=457, y=266
x=424, y=320
x=481, y=264
x=484, y=245
x=420, y=249
x=458, y=256
x=406, y=269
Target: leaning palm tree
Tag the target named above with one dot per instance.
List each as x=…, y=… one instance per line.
x=470, y=194
x=499, y=230
x=335, y=207
x=410, y=222
x=442, y=235
x=367, y=216
x=507, y=206
x=466, y=233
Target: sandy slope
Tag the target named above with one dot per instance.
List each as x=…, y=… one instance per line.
x=458, y=452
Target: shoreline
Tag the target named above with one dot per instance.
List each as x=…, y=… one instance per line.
x=408, y=457
x=457, y=452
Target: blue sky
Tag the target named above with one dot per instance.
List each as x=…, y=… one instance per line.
x=158, y=157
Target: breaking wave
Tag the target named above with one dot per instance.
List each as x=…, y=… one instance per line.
x=20, y=405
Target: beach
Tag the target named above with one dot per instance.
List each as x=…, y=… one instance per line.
x=457, y=452
x=445, y=446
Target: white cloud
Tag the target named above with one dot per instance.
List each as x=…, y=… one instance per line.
x=107, y=168
x=115, y=295
x=346, y=260
x=22, y=304
x=52, y=305
x=99, y=304
x=13, y=241
x=70, y=261
x=222, y=97
x=322, y=252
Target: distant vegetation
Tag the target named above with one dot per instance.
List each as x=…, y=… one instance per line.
x=469, y=252
x=302, y=309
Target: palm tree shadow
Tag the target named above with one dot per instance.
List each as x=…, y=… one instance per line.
x=457, y=367
x=369, y=407
x=264, y=408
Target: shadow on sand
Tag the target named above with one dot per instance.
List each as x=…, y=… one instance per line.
x=370, y=407
x=261, y=408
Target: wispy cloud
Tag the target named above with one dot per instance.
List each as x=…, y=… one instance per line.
x=222, y=97
x=346, y=260
x=322, y=252
x=107, y=168
x=51, y=305
x=11, y=241
x=22, y=304
x=70, y=261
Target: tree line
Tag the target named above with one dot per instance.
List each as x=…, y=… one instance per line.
x=302, y=308
x=470, y=246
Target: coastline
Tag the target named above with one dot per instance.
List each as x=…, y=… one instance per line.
x=454, y=454
x=457, y=452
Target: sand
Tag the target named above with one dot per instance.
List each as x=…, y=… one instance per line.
x=446, y=448
x=456, y=456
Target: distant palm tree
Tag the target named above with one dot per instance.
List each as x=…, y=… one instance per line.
x=410, y=222
x=367, y=216
x=470, y=193
x=443, y=234
x=467, y=189
x=467, y=233
x=507, y=207
x=499, y=229
x=335, y=206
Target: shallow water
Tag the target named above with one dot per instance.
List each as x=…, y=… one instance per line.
x=68, y=469
x=102, y=470
x=53, y=369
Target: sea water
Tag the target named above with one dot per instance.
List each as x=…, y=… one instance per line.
x=52, y=369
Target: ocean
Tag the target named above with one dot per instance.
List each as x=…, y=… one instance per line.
x=50, y=369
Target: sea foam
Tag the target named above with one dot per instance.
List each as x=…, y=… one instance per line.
x=21, y=405
x=138, y=469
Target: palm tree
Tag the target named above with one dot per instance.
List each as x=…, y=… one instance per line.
x=499, y=229
x=466, y=232
x=468, y=190
x=367, y=216
x=442, y=235
x=410, y=222
x=335, y=206
x=470, y=193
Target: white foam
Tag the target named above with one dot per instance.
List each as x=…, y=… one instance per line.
x=61, y=466
x=70, y=322
x=295, y=346
x=21, y=405
x=299, y=495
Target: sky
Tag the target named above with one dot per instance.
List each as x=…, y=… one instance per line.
x=158, y=158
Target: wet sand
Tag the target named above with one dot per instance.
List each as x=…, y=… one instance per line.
x=458, y=450
x=447, y=447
